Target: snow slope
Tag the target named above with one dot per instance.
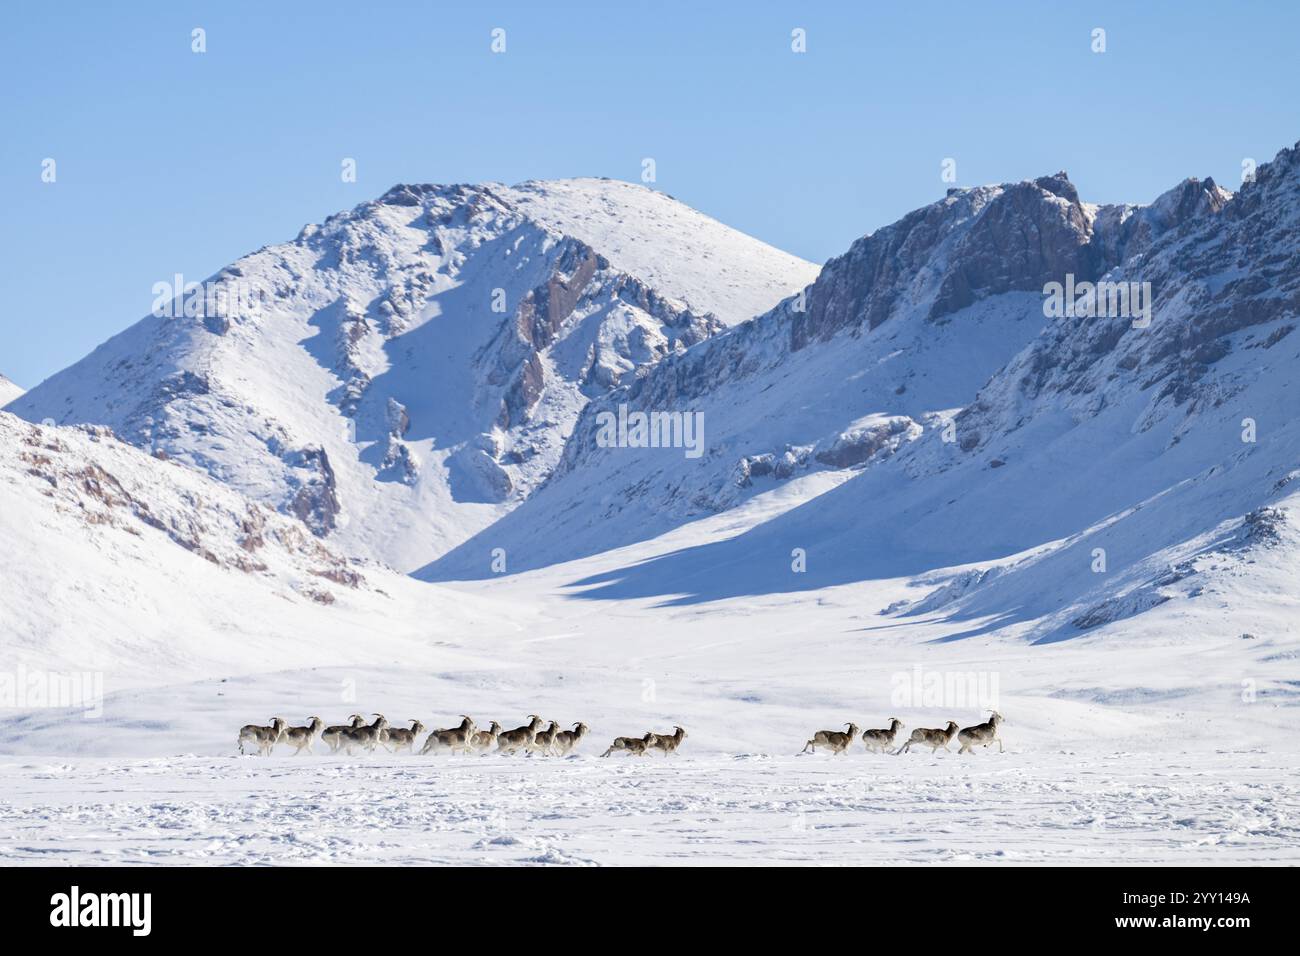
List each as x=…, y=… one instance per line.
x=144, y=570
x=8, y=391
x=668, y=245
x=405, y=373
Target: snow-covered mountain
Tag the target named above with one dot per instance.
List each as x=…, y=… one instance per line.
x=8, y=391
x=915, y=412
x=403, y=374
x=892, y=339
x=1106, y=468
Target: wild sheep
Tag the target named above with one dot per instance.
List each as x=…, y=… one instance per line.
x=543, y=740
x=668, y=743
x=511, y=740
x=927, y=735
x=402, y=738
x=453, y=739
x=837, y=741
x=981, y=734
x=485, y=739
x=367, y=735
x=301, y=737
x=633, y=745
x=880, y=741
x=264, y=737
x=333, y=735
x=566, y=740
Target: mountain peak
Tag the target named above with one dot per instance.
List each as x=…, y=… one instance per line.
x=1192, y=197
x=1058, y=184
x=8, y=391
x=678, y=250
x=943, y=257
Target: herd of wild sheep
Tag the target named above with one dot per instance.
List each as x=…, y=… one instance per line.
x=880, y=741
x=466, y=738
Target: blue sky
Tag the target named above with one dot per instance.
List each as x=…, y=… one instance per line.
x=170, y=161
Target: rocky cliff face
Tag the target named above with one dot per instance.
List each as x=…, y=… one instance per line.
x=974, y=244
x=982, y=242
x=1124, y=231
x=86, y=480
x=1224, y=277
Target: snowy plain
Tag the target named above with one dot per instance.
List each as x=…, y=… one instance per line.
x=1023, y=809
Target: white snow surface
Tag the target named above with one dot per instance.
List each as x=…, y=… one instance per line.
x=672, y=247
x=8, y=391
x=1046, y=808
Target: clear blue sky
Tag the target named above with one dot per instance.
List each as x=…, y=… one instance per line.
x=170, y=161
